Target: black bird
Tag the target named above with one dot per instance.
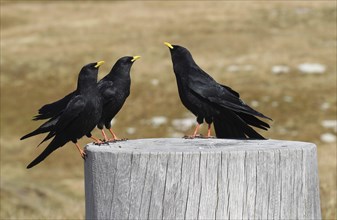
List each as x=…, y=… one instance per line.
x=52, y=112
x=213, y=102
x=80, y=115
x=114, y=88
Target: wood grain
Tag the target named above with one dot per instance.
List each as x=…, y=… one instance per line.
x=175, y=178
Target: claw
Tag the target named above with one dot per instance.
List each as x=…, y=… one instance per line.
x=83, y=154
x=198, y=136
x=118, y=139
x=97, y=141
x=192, y=136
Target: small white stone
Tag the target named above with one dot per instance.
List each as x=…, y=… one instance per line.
x=274, y=104
x=183, y=124
x=330, y=124
x=325, y=106
x=311, y=68
x=254, y=103
x=280, y=69
x=233, y=68
x=155, y=82
x=131, y=130
x=328, y=138
x=158, y=121
x=287, y=98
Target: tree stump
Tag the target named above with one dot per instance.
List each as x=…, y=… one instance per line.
x=175, y=178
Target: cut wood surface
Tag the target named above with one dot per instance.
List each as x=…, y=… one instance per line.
x=175, y=178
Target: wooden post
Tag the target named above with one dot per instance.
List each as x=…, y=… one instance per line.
x=173, y=178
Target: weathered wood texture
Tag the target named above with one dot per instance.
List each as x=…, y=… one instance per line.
x=202, y=179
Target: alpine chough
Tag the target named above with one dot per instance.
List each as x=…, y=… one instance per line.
x=213, y=102
x=114, y=89
x=80, y=115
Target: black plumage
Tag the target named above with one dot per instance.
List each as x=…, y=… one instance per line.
x=213, y=102
x=114, y=89
x=78, y=118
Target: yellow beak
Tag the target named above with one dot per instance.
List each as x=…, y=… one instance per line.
x=99, y=63
x=135, y=58
x=168, y=45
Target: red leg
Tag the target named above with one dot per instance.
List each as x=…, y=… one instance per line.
x=96, y=140
x=209, y=130
x=196, y=130
x=113, y=135
x=104, y=135
x=194, y=133
x=82, y=153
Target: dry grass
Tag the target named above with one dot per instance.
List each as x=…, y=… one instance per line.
x=43, y=46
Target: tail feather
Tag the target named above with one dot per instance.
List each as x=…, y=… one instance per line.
x=43, y=116
x=246, y=109
x=56, y=143
x=227, y=130
x=253, y=121
x=50, y=135
x=229, y=125
x=33, y=133
x=44, y=128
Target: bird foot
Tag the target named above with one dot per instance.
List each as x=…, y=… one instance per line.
x=116, y=140
x=109, y=141
x=83, y=154
x=192, y=136
x=198, y=136
x=100, y=142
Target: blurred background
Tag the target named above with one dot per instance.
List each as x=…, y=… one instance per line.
x=280, y=56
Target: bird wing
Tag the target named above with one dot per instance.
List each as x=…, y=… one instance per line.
x=209, y=89
x=107, y=90
x=55, y=108
x=231, y=90
x=71, y=112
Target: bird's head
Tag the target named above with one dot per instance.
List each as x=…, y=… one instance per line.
x=175, y=48
x=88, y=75
x=179, y=54
x=127, y=60
x=122, y=66
x=91, y=68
